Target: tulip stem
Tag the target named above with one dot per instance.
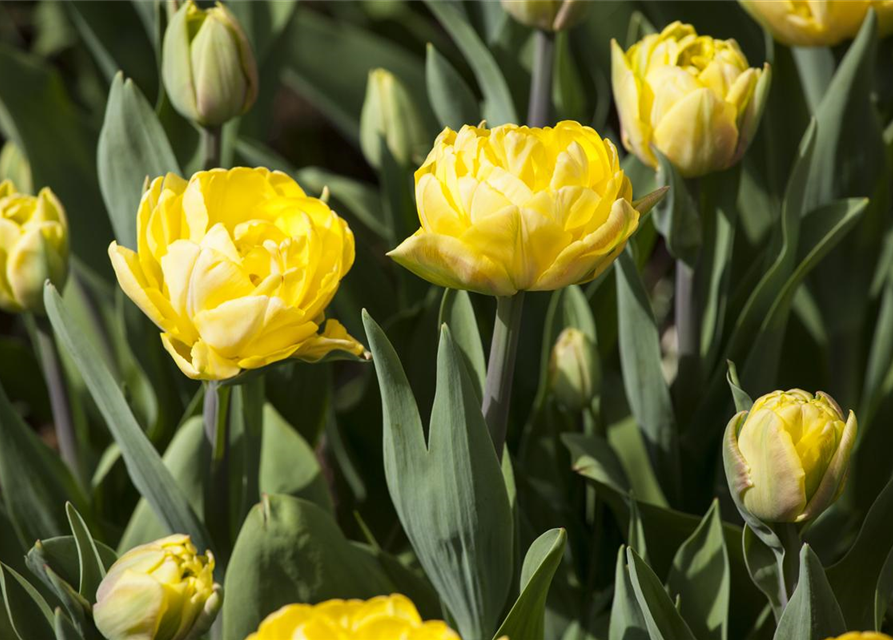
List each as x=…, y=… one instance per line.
x=688, y=336
x=212, y=141
x=217, y=490
x=789, y=562
x=501, y=367
x=48, y=351
x=541, y=81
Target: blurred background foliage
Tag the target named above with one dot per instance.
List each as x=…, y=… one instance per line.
x=60, y=93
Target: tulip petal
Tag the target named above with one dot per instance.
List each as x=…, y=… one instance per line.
x=131, y=279
x=448, y=262
x=138, y=620
x=333, y=338
x=629, y=95
x=833, y=481
x=778, y=493
x=230, y=326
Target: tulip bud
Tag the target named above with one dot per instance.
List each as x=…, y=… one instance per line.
x=158, y=591
x=787, y=458
x=573, y=371
x=389, y=113
x=548, y=15
x=33, y=247
x=208, y=68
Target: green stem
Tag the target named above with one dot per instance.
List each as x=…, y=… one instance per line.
x=217, y=489
x=48, y=351
x=212, y=141
x=789, y=562
x=541, y=82
x=501, y=367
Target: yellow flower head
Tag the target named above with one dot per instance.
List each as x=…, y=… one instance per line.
x=236, y=268
x=788, y=459
x=162, y=590
x=515, y=208
x=862, y=635
x=33, y=247
x=692, y=97
x=382, y=618
x=817, y=23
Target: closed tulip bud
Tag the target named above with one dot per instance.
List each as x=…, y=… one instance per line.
x=33, y=247
x=817, y=23
x=548, y=15
x=693, y=98
x=381, y=618
x=389, y=114
x=208, y=68
x=237, y=268
x=515, y=208
x=787, y=458
x=162, y=590
x=573, y=370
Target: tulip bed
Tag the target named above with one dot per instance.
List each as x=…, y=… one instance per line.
x=446, y=320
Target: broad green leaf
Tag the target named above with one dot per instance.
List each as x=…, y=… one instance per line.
x=635, y=531
x=813, y=612
x=92, y=569
x=646, y=387
x=30, y=615
x=593, y=457
x=457, y=312
x=816, y=67
x=291, y=551
x=661, y=617
x=36, y=484
x=762, y=565
x=498, y=105
x=627, y=622
x=700, y=578
x=77, y=607
x=677, y=217
x=38, y=115
x=856, y=577
x=132, y=147
x=61, y=555
x=450, y=495
x=454, y=103
x=525, y=621
x=145, y=467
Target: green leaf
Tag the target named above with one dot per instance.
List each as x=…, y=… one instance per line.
x=92, y=569
x=742, y=399
x=148, y=473
x=64, y=628
x=646, y=387
x=857, y=576
x=661, y=617
x=61, y=555
x=30, y=615
x=525, y=621
x=457, y=312
x=813, y=612
x=498, y=105
x=593, y=458
x=635, y=531
x=132, y=147
x=38, y=115
x=700, y=578
x=763, y=568
x=291, y=551
x=454, y=103
x=450, y=496
x=36, y=483
x=627, y=622
x=77, y=607
x=676, y=218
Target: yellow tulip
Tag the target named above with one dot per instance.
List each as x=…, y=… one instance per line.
x=817, y=23
x=862, y=635
x=162, y=590
x=33, y=247
x=208, y=67
x=692, y=97
x=237, y=268
x=381, y=618
x=514, y=208
x=549, y=15
x=787, y=458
